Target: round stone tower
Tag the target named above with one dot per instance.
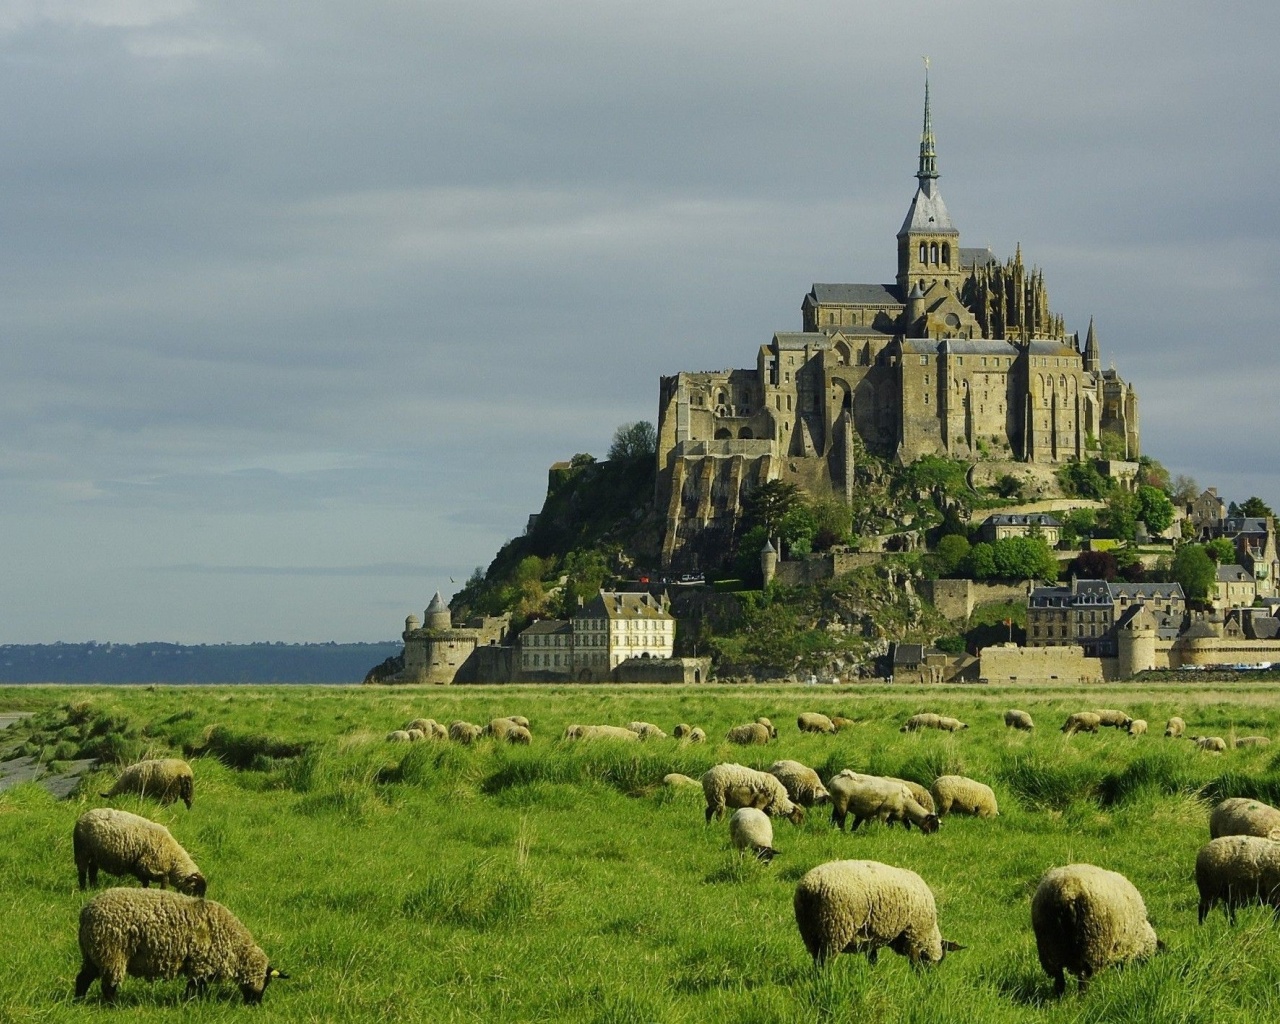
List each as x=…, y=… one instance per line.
x=768, y=562
x=437, y=614
x=1136, y=643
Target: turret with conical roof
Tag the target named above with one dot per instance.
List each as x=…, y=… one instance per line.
x=1092, y=359
x=437, y=614
x=928, y=244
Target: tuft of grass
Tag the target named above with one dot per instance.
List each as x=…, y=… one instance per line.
x=1049, y=782
x=483, y=896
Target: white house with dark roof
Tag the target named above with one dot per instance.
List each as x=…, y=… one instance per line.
x=1003, y=525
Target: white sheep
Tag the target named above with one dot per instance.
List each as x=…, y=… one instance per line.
x=429, y=727
x=735, y=785
x=842, y=723
x=396, y=736
x=1081, y=721
x=948, y=724
x=166, y=778
x=751, y=734
x=857, y=906
x=802, y=782
x=697, y=735
x=954, y=794
x=773, y=732
x=465, y=733
x=520, y=720
x=1235, y=870
x=682, y=730
x=1087, y=918
x=1138, y=727
x=812, y=721
x=676, y=780
x=870, y=796
x=1175, y=727
x=153, y=933
x=121, y=843
x=1015, y=719
x=600, y=732
x=507, y=730
x=1240, y=816
x=1252, y=741
x=926, y=720
x=415, y=735
x=1212, y=744
x=646, y=730
x=922, y=796
x=1113, y=718
x=750, y=829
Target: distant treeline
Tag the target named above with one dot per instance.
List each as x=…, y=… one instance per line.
x=179, y=664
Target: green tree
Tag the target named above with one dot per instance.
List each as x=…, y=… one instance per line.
x=1255, y=507
x=768, y=504
x=1113, y=445
x=1024, y=558
x=746, y=564
x=1184, y=489
x=797, y=527
x=1082, y=480
x=1152, y=473
x=634, y=441
x=952, y=550
x=1221, y=551
x=834, y=521
x=981, y=563
x=1077, y=524
x=1194, y=569
x=1122, y=515
x=1155, y=508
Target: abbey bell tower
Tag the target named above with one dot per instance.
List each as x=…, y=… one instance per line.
x=928, y=244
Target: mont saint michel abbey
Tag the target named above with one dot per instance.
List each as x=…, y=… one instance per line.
x=960, y=356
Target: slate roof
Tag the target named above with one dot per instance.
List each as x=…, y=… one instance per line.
x=1233, y=574
x=908, y=654
x=927, y=213
x=959, y=346
x=1147, y=591
x=619, y=605
x=547, y=626
x=1051, y=347
x=976, y=257
x=856, y=294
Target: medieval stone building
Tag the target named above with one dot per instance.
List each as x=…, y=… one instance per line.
x=960, y=356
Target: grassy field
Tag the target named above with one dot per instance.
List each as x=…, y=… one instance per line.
x=563, y=882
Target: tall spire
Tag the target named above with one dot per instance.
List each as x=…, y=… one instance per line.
x=1092, y=358
x=928, y=171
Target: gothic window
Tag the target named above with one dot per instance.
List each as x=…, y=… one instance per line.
x=933, y=253
x=946, y=254
x=788, y=403
x=922, y=252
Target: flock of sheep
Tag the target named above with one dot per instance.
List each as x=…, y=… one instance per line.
x=1085, y=918
x=149, y=933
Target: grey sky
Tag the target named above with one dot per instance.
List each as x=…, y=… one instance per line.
x=298, y=302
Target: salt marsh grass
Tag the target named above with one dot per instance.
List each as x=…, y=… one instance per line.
x=563, y=882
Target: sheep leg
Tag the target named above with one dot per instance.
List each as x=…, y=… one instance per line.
x=710, y=811
x=88, y=974
x=93, y=874
x=873, y=954
x=108, y=990
x=837, y=819
x=1059, y=982
x=1085, y=976
x=1206, y=905
x=857, y=820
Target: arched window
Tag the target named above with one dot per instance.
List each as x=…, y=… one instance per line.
x=724, y=434
x=745, y=434
x=923, y=254
x=788, y=403
x=933, y=253
x=946, y=254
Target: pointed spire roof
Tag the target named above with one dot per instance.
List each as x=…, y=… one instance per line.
x=437, y=604
x=928, y=171
x=928, y=213
x=1092, y=358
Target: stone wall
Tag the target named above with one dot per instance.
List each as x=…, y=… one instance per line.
x=1009, y=663
x=956, y=599
x=663, y=670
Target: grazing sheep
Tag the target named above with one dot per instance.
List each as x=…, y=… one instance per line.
x=869, y=796
x=682, y=731
x=751, y=734
x=519, y=734
x=520, y=720
x=1114, y=719
x=951, y=724
x=1018, y=720
x=1138, y=727
x=1086, y=918
x=1235, y=870
x=600, y=732
x=735, y=785
x=842, y=723
x=954, y=794
x=152, y=933
x=499, y=728
x=1252, y=741
x=415, y=735
x=464, y=732
x=432, y=729
x=811, y=721
x=773, y=732
x=922, y=796
x=928, y=720
x=675, y=779
x=1175, y=727
x=857, y=906
x=696, y=735
x=167, y=779
x=750, y=829
x=647, y=730
x=1240, y=816
x=1213, y=744
x=398, y=736
x=1081, y=721
x=802, y=783
x=121, y=843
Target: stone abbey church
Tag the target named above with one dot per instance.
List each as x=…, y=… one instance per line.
x=960, y=356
